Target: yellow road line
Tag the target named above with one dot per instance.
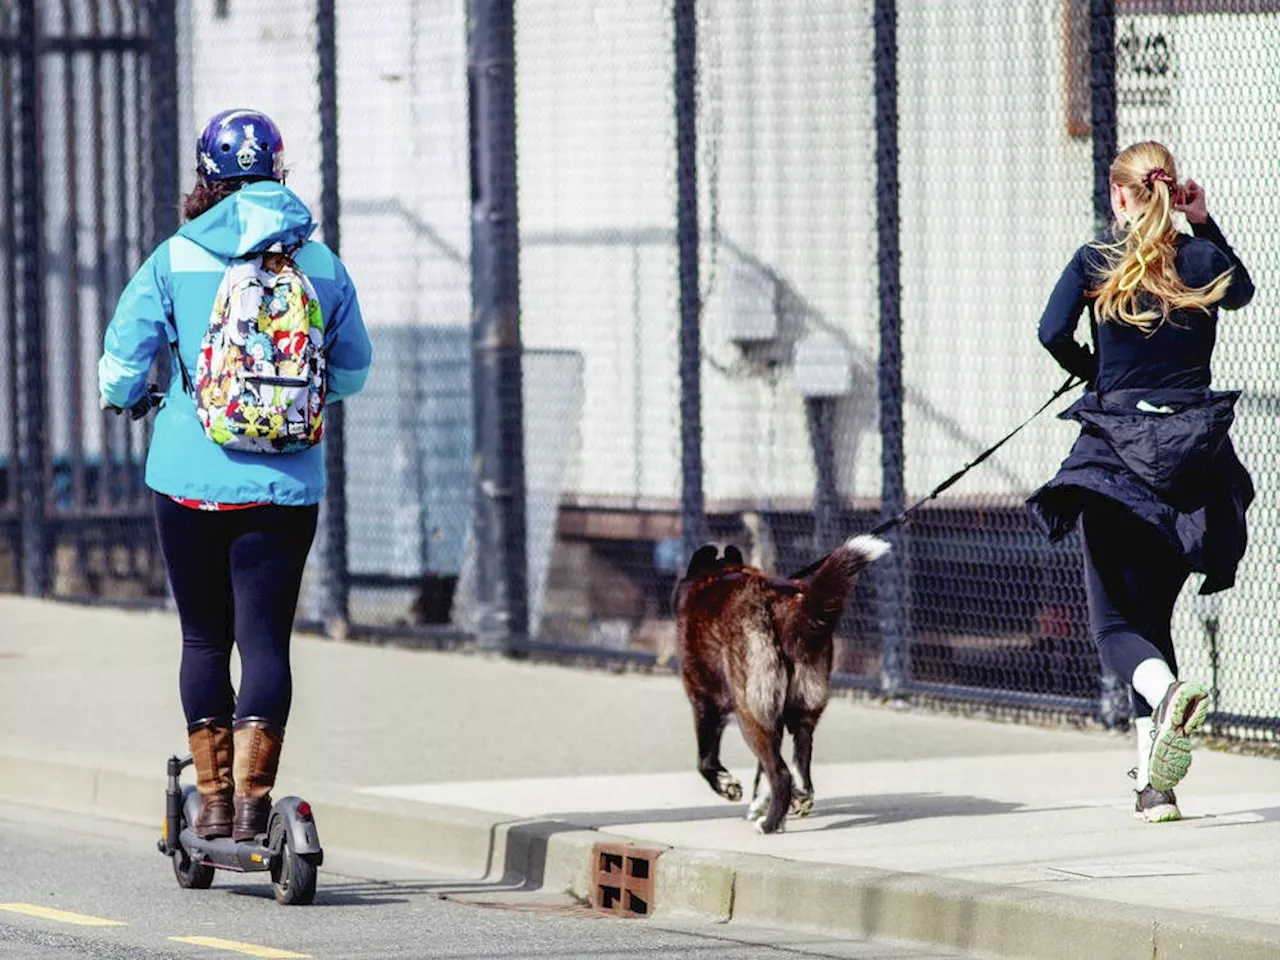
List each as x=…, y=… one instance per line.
x=252, y=949
x=63, y=916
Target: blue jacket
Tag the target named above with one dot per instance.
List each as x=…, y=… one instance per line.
x=169, y=300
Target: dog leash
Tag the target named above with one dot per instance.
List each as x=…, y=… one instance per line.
x=1070, y=383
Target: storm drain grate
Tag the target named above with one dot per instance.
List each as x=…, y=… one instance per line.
x=622, y=879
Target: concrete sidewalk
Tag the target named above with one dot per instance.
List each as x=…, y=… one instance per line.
x=992, y=838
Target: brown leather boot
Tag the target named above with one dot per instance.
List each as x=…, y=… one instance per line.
x=257, y=755
x=210, y=742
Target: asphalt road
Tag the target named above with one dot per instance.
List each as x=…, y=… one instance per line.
x=77, y=887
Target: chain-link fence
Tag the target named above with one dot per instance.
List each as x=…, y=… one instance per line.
x=779, y=272
x=1199, y=76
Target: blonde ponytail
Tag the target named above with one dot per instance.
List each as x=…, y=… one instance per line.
x=1143, y=260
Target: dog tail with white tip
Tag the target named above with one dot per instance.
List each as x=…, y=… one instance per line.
x=826, y=593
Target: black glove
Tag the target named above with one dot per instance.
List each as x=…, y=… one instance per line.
x=142, y=407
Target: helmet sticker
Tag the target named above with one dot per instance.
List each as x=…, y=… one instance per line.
x=248, y=149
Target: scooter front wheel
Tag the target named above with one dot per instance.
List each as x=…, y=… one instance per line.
x=191, y=875
x=293, y=874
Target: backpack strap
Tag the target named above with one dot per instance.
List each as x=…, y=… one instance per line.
x=290, y=251
x=187, y=385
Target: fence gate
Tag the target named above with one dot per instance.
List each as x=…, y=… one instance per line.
x=88, y=183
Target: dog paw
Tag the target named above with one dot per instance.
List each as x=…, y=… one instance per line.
x=802, y=804
x=762, y=827
x=728, y=787
x=759, y=806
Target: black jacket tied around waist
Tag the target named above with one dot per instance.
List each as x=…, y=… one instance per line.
x=1166, y=456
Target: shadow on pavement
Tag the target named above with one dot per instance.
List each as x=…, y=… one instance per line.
x=521, y=867
x=1225, y=819
x=861, y=811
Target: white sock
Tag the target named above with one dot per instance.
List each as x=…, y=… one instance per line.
x=1152, y=679
x=1142, y=727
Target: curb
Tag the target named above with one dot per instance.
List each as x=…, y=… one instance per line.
x=834, y=900
x=1003, y=921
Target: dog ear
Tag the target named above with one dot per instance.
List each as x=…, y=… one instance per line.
x=677, y=595
x=703, y=559
x=733, y=555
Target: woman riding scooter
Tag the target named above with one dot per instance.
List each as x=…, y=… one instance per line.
x=236, y=481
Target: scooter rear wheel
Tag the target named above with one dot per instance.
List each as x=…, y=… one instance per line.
x=293, y=875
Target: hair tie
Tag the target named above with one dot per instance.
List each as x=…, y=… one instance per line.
x=1158, y=174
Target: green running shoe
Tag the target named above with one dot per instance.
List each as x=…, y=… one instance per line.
x=1156, y=806
x=1180, y=714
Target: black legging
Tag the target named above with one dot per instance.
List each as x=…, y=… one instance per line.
x=1132, y=580
x=235, y=576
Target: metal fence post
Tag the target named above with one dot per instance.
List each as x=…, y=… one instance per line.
x=1113, y=696
x=889, y=572
x=821, y=413
x=498, y=518
x=335, y=577
x=692, y=525
x=1102, y=104
x=32, y=448
x=164, y=119
x=166, y=187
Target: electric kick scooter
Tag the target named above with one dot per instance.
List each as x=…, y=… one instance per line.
x=290, y=849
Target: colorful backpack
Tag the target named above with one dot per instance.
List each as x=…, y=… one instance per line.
x=260, y=377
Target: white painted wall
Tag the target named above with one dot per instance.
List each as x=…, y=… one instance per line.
x=995, y=198
x=787, y=163
x=596, y=170
x=788, y=122
x=402, y=133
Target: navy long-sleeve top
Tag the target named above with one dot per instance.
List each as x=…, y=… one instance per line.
x=1177, y=354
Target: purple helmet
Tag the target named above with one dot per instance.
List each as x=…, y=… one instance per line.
x=240, y=143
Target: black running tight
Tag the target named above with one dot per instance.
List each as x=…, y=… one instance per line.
x=1132, y=580
x=235, y=576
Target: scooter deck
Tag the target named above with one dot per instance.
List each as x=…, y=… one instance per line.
x=226, y=854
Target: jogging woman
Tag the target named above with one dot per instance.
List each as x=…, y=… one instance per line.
x=1153, y=477
x=235, y=525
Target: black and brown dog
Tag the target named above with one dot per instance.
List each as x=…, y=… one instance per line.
x=760, y=647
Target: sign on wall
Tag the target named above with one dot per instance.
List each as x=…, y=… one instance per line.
x=1146, y=61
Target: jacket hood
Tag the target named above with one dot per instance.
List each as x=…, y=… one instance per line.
x=252, y=219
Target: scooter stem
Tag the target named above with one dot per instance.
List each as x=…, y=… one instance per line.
x=173, y=803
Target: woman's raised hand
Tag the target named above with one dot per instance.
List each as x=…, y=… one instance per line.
x=1190, y=200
